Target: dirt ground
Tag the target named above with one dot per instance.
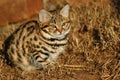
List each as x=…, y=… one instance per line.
x=93, y=52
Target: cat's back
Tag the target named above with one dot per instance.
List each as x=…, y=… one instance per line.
x=19, y=42
x=26, y=30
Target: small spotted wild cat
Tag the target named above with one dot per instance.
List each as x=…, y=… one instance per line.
x=37, y=43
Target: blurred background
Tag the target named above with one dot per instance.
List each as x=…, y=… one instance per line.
x=93, y=52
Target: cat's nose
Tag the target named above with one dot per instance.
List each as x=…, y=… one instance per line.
x=60, y=30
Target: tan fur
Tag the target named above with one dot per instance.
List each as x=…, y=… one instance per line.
x=35, y=44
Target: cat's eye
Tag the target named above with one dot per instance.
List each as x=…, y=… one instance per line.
x=45, y=26
x=65, y=23
x=53, y=25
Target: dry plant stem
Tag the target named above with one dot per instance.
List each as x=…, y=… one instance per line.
x=115, y=75
x=118, y=72
x=73, y=67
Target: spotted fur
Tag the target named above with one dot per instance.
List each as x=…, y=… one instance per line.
x=37, y=43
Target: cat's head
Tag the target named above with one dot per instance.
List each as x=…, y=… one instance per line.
x=57, y=25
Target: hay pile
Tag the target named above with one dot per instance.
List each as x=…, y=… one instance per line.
x=93, y=52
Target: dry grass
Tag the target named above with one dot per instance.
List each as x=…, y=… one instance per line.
x=93, y=52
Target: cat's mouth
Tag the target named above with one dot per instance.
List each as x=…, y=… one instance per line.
x=61, y=35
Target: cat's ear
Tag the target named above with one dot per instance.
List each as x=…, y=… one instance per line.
x=65, y=11
x=44, y=16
